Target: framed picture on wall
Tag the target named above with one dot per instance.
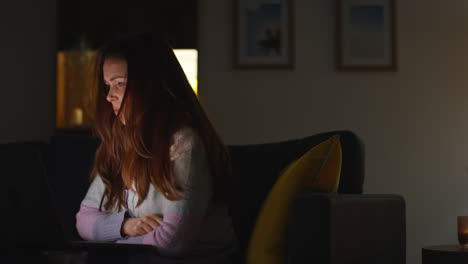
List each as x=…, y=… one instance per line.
x=263, y=34
x=366, y=35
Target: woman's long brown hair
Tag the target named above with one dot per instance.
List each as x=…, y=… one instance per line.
x=158, y=101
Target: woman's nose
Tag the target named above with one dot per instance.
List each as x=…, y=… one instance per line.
x=111, y=97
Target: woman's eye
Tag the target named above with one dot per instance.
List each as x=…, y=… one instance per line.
x=121, y=84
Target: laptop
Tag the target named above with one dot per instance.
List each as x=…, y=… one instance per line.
x=29, y=216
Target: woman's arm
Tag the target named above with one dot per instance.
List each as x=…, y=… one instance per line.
x=182, y=219
x=96, y=225
x=93, y=224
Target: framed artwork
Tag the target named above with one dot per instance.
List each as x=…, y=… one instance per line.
x=263, y=34
x=366, y=35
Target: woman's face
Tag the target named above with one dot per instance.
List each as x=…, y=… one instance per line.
x=115, y=78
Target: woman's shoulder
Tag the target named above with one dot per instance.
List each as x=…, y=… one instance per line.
x=183, y=140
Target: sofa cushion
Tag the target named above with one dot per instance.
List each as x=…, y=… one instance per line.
x=256, y=168
x=317, y=170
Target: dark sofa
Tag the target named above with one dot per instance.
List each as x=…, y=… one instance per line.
x=349, y=227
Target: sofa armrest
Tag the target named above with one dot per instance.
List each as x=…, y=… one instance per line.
x=351, y=228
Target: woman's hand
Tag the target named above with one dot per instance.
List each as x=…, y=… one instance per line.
x=141, y=226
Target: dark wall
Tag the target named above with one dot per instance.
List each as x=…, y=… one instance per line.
x=27, y=70
x=90, y=23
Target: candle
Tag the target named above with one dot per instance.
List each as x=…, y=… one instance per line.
x=462, y=230
x=76, y=117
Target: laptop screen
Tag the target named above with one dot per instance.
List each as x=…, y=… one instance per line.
x=28, y=213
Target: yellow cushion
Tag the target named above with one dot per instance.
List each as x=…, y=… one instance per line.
x=317, y=170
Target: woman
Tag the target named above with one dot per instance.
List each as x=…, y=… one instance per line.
x=161, y=171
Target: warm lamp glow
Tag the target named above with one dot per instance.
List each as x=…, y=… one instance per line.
x=188, y=59
x=73, y=88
